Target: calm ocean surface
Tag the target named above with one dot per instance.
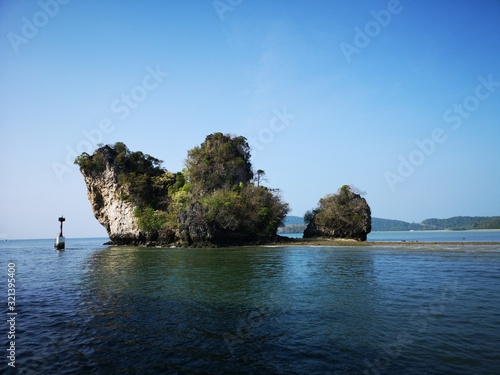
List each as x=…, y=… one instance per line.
x=94, y=309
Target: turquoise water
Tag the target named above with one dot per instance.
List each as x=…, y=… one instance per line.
x=270, y=310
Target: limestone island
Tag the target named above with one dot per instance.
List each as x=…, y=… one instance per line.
x=216, y=200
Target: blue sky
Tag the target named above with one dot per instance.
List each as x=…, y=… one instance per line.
x=399, y=98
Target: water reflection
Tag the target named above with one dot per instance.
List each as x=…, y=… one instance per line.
x=231, y=303
x=183, y=303
x=270, y=310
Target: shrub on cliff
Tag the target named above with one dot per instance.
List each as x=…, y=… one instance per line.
x=91, y=164
x=342, y=215
x=246, y=209
x=142, y=179
x=150, y=220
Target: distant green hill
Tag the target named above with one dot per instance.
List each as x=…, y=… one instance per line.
x=289, y=220
x=463, y=223
x=393, y=225
x=295, y=224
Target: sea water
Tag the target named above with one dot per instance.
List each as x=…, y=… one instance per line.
x=94, y=309
x=437, y=236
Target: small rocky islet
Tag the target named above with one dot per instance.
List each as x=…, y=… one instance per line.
x=217, y=200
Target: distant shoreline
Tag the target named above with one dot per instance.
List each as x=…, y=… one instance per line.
x=347, y=242
x=456, y=223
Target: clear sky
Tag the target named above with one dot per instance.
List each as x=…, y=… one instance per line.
x=399, y=98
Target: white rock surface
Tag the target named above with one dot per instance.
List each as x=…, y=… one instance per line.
x=114, y=213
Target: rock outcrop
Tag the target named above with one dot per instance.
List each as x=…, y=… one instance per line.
x=193, y=229
x=104, y=193
x=141, y=203
x=342, y=215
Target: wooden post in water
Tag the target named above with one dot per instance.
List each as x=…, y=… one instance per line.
x=59, y=244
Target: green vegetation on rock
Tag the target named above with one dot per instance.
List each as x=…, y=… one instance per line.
x=149, y=220
x=213, y=201
x=221, y=161
x=342, y=215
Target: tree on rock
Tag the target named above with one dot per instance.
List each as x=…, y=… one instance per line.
x=226, y=206
x=342, y=215
x=221, y=161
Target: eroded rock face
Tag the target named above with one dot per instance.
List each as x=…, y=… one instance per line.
x=114, y=214
x=193, y=229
